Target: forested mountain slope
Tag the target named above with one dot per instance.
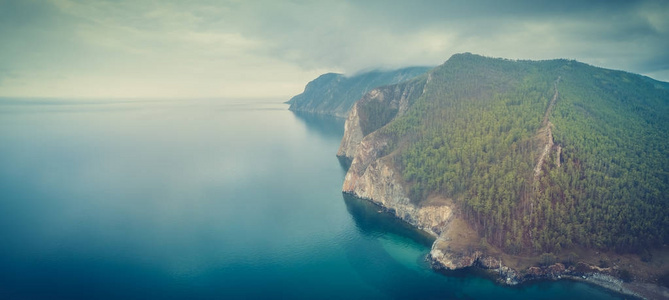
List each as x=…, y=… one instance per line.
x=537, y=156
x=334, y=94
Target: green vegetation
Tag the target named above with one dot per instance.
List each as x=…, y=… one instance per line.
x=335, y=94
x=547, y=259
x=664, y=279
x=625, y=275
x=374, y=114
x=478, y=131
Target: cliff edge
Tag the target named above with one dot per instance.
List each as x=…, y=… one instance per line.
x=372, y=174
x=466, y=152
x=334, y=94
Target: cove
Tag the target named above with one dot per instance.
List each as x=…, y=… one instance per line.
x=203, y=199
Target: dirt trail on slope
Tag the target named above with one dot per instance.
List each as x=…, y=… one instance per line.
x=551, y=104
x=547, y=133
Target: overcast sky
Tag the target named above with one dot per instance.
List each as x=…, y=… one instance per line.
x=237, y=48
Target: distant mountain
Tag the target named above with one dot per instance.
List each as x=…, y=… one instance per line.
x=526, y=157
x=334, y=94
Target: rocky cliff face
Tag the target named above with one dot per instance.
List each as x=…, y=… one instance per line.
x=371, y=150
x=372, y=175
x=352, y=135
x=396, y=98
x=379, y=184
x=335, y=94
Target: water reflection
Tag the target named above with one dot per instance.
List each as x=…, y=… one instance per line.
x=198, y=200
x=398, y=248
x=325, y=126
x=371, y=220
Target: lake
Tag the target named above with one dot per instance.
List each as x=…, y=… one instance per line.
x=203, y=199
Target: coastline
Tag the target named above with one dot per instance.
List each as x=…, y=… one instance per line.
x=607, y=282
x=506, y=276
x=372, y=176
x=641, y=290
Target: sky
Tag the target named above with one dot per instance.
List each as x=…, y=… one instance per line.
x=259, y=49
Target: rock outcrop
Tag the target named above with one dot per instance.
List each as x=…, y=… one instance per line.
x=371, y=150
x=372, y=174
x=379, y=184
x=396, y=98
x=335, y=94
x=352, y=135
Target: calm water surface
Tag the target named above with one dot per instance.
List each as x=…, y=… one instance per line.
x=202, y=199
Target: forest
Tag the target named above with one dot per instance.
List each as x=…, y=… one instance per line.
x=476, y=134
x=335, y=94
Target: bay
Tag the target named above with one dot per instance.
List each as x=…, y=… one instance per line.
x=203, y=199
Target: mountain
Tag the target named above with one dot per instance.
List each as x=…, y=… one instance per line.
x=530, y=159
x=334, y=94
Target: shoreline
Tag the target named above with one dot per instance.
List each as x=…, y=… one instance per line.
x=636, y=289
x=607, y=282
x=641, y=290
x=506, y=276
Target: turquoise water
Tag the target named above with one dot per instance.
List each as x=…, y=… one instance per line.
x=203, y=199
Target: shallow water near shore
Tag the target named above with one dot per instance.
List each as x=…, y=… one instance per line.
x=203, y=199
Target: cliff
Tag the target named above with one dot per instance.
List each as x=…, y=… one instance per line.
x=372, y=176
x=334, y=94
x=485, y=154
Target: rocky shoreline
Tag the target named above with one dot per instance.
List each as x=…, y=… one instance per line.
x=557, y=271
x=434, y=220
x=439, y=259
x=372, y=176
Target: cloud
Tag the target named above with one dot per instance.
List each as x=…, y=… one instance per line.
x=137, y=49
x=6, y=74
x=237, y=48
x=350, y=36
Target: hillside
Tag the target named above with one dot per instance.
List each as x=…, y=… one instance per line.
x=534, y=156
x=334, y=94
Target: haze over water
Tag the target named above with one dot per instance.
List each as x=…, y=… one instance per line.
x=202, y=199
